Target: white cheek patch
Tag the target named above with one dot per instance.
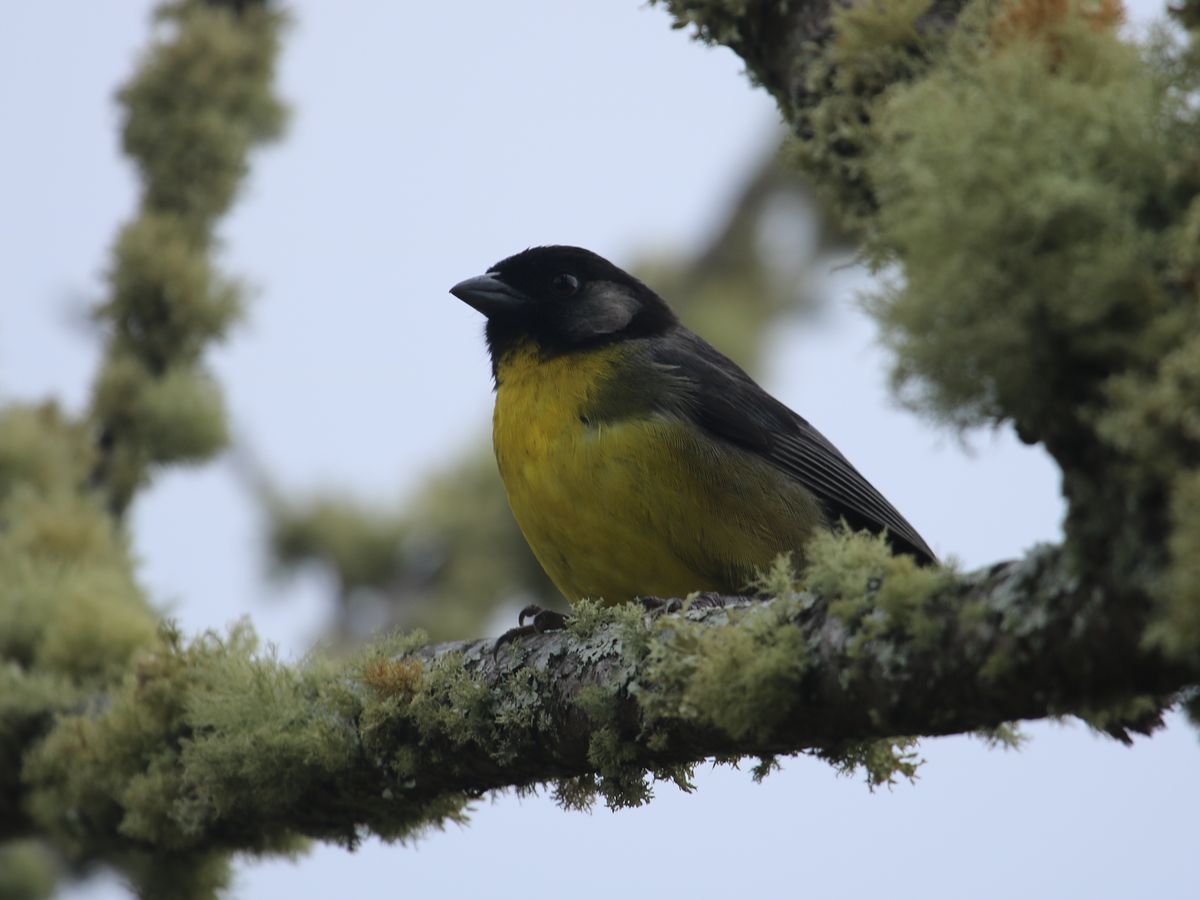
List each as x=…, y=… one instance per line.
x=602, y=309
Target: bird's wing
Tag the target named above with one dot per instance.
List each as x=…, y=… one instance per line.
x=729, y=404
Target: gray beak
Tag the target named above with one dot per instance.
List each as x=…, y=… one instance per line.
x=489, y=295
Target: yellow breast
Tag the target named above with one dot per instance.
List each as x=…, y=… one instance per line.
x=646, y=506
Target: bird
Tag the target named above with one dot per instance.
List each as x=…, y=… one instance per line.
x=639, y=461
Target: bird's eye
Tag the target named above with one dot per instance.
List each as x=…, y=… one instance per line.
x=564, y=285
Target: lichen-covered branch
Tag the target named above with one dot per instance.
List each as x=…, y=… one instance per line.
x=1032, y=178
x=213, y=746
x=200, y=103
x=826, y=63
x=74, y=622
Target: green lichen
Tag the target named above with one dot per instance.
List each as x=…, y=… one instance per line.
x=764, y=767
x=176, y=416
x=251, y=718
x=181, y=417
x=42, y=450
x=881, y=762
x=201, y=101
x=1041, y=196
x=626, y=786
x=84, y=624
x=167, y=302
x=427, y=727
x=187, y=755
x=70, y=605
x=587, y=616
x=363, y=546
x=576, y=794
x=1153, y=420
x=745, y=679
x=102, y=752
x=877, y=46
x=451, y=705
x=1007, y=736
x=1133, y=715
x=1177, y=630
x=117, y=774
x=72, y=619
x=779, y=579
x=615, y=749
x=28, y=871
x=521, y=712
x=1019, y=200
x=1191, y=703
x=620, y=780
x=742, y=680
x=881, y=596
x=713, y=21
x=166, y=876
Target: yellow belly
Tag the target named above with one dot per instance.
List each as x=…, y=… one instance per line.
x=646, y=506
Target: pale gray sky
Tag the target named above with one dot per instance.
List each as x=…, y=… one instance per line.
x=430, y=140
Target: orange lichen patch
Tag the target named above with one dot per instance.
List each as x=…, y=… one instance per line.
x=392, y=677
x=1040, y=19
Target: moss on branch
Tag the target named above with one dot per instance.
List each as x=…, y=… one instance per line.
x=1032, y=179
x=74, y=623
x=200, y=102
x=212, y=745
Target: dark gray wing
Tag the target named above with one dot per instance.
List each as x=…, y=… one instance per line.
x=727, y=403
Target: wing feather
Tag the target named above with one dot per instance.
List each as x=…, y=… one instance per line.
x=729, y=404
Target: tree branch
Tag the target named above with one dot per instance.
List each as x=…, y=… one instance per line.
x=945, y=132
x=1016, y=640
x=214, y=747
x=780, y=41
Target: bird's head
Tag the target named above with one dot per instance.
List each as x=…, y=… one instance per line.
x=562, y=299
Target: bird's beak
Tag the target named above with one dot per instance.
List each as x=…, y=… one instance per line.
x=489, y=295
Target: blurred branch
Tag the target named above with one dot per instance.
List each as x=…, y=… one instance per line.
x=215, y=747
x=200, y=102
x=734, y=247
x=74, y=622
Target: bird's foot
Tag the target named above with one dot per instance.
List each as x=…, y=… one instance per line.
x=657, y=606
x=540, y=621
x=706, y=600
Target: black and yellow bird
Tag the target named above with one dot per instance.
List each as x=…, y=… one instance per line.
x=638, y=460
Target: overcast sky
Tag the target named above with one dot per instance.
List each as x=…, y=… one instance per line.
x=430, y=140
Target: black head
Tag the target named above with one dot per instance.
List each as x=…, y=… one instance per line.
x=562, y=299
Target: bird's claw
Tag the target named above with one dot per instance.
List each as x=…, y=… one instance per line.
x=658, y=606
x=540, y=621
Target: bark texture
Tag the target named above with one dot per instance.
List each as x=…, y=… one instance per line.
x=1017, y=640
